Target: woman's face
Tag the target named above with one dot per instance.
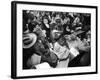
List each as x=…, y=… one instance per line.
x=45, y=21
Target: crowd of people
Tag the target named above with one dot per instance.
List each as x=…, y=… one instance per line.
x=54, y=37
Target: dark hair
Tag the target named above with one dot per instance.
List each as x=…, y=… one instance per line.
x=45, y=17
x=31, y=27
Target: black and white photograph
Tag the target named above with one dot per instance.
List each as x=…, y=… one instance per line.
x=54, y=39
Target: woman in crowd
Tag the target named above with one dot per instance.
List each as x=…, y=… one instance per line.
x=46, y=26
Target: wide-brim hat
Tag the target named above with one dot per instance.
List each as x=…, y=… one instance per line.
x=29, y=40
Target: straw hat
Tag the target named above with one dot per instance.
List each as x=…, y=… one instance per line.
x=29, y=40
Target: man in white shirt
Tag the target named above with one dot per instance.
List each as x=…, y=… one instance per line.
x=60, y=48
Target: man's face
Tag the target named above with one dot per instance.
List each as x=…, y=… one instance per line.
x=66, y=20
x=61, y=42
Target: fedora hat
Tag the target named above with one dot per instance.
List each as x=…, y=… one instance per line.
x=29, y=40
